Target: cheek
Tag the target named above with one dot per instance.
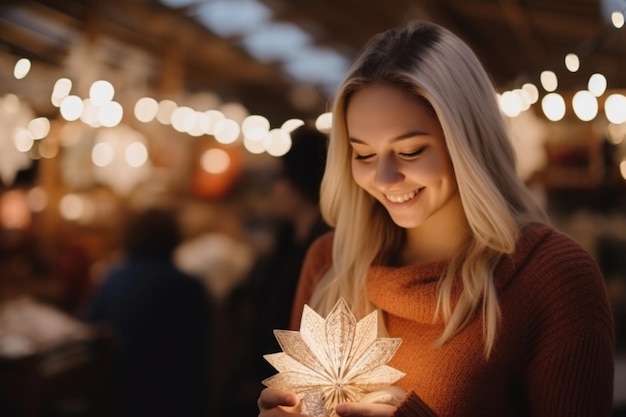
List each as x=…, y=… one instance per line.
x=359, y=174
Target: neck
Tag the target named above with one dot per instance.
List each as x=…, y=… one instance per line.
x=439, y=238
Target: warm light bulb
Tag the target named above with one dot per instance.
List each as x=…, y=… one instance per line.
x=617, y=18
x=324, y=122
x=553, y=106
x=39, y=127
x=102, y=154
x=255, y=127
x=61, y=89
x=532, y=91
x=71, y=108
x=226, y=131
x=290, y=125
x=110, y=114
x=215, y=161
x=615, y=108
x=166, y=109
x=136, y=154
x=572, y=63
x=146, y=109
x=597, y=84
x=549, y=81
x=585, y=105
x=101, y=92
x=22, y=68
x=510, y=104
x=277, y=142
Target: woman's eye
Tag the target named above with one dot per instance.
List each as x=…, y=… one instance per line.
x=414, y=154
x=362, y=157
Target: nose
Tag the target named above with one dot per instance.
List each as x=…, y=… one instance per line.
x=388, y=171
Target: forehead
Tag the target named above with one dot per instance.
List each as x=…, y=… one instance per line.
x=382, y=108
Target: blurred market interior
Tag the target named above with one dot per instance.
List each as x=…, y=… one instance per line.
x=110, y=107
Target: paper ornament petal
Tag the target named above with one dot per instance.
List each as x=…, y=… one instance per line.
x=333, y=360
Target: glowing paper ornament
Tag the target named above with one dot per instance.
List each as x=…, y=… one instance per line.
x=333, y=360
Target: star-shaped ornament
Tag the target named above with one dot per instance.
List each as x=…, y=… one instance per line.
x=333, y=360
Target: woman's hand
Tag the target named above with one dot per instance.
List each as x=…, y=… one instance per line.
x=381, y=403
x=275, y=402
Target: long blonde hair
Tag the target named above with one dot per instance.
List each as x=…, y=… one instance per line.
x=434, y=65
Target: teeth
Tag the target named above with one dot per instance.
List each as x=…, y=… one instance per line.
x=401, y=198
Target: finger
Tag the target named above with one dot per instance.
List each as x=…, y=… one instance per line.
x=364, y=410
x=272, y=397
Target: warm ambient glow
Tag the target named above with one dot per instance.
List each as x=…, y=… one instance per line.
x=102, y=154
x=71, y=207
x=37, y=199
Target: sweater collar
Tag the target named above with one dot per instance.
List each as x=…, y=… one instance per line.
x=411, y=291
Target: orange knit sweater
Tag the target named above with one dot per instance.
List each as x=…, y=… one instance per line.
x=554, y=353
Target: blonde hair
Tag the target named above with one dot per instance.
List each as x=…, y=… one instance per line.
x=434, y=65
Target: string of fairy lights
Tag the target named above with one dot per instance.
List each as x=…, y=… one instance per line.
x=584, y=102
x=231, y=122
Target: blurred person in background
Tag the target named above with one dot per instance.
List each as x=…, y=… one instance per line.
x=161, y=318
x=264, y=301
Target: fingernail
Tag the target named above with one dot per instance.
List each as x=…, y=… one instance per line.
x=341, y=409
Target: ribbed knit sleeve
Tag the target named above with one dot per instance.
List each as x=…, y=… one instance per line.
x=413, y=406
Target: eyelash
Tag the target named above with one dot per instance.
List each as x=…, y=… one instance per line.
x=410, y=155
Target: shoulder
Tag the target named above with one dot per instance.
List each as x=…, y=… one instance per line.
x=544, y=251
x=558, y=277
x=319, y=256
x=322, y=246
x=553, y=251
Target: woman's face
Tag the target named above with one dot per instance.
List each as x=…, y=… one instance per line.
x=399, y=156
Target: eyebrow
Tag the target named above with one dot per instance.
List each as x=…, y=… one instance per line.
x=396, y=139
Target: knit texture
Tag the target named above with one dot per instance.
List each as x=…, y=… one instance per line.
x=554, y=352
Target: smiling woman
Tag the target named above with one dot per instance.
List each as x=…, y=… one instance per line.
x=499, y=313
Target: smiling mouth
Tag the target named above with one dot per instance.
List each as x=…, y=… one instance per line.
x=403, y=198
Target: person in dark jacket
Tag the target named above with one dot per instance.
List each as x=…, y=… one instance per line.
x=161, y=319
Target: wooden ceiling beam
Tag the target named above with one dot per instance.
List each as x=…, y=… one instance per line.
x=523, y=31
x=565, y=25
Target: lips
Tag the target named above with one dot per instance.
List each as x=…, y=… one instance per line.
x=402, y=198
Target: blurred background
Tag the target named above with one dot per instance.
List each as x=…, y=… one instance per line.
x=109, y=108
